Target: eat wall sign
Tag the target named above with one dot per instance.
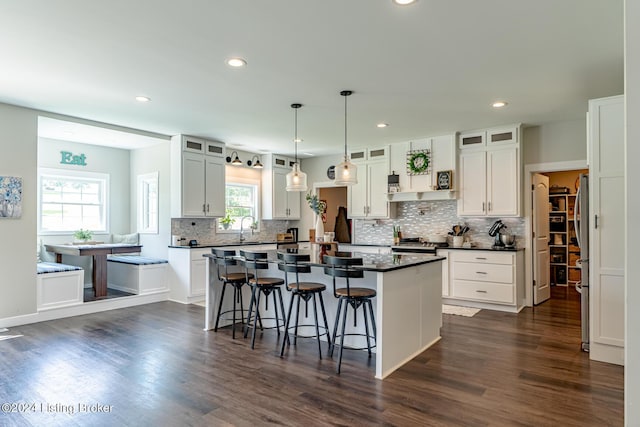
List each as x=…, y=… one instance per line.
x=68, y=158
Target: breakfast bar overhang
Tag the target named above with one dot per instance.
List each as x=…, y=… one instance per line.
x=408, y=302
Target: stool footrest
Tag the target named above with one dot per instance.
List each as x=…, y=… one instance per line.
x=371, y=337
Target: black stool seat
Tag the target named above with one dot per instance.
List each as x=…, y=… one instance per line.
x=356, y=292
x=224, y=259
x=306, y=287
x=256, y=262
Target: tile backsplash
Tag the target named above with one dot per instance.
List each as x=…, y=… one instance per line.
x=418, y=219
x=204, y=231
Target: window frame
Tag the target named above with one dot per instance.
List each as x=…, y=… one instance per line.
x=70, y=174
x=143, y=203
x=244, y=182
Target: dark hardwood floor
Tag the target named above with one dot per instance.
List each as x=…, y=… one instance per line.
x=90, y=294
x=155, y=366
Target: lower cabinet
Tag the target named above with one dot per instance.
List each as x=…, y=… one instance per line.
x=484, y=279
x=188, y=274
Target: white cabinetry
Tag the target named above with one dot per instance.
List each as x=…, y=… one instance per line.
x=606, y=226
x=188, y=274
x=490, y=173
x=277, y=202
x=368, y=198
x=198, y=178
x=485, y=279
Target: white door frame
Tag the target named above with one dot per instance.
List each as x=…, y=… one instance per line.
x=529, y=170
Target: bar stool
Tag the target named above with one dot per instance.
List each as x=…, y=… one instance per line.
x=254, y=261
x=223, y=259
x=298, y=264
x=342, y=267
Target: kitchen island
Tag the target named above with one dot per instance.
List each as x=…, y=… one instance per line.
x=408, y=302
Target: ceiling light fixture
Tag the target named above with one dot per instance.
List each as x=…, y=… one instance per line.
x=382, y=125
x=236, y=62
x=499, y=104
x=404, y=2
x=257, y=164
x=236, y=160
x=346, y=172
x=142, y=98
x=296, y=179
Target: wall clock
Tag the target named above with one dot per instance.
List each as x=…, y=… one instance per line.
x=444, y=180
x=331, y=172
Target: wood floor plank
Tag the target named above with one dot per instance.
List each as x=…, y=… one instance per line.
x=156, y=366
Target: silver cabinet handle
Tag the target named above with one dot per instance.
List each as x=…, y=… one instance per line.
x=204, y=207
x=481, y=272
x=483, y=206
x=489, y=207
x=207, y=207
x=481, y=258
x=481, y=292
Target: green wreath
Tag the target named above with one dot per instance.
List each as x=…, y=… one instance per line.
x=418, y=163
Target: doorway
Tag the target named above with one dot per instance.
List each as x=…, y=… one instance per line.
x=335, y=214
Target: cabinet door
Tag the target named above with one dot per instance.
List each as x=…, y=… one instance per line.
x=502, y=182
x=377, y=190
x=215, y=187
x=280, y=197
x=193, y=184
x=293, y=204
x=472, y=140
x=473, y=184
x=357, y=196
x=502, y=136
x=198, y=277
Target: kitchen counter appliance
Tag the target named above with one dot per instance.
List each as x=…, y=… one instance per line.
x=416, y=245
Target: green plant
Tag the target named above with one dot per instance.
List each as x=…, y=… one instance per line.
x=226, y=221
x=83, y=234
x=317, y=206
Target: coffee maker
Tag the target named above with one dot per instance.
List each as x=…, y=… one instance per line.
x=294, y=233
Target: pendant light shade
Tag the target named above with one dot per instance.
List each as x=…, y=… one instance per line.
x=346, y=172
x=296, y=179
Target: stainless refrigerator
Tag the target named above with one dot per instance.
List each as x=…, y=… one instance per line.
x=581, y=221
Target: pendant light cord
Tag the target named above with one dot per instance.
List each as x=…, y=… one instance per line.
x=295, y=140
x=345, y=126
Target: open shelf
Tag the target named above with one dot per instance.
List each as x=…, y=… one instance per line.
x=410, y=196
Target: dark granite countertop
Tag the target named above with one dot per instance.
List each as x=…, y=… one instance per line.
x=222, y=245
x=372, y=262
x=483, y=248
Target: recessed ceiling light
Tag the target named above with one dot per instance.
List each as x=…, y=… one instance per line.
x=142, y=98
x=382, y=125
x=236, y=62
x=404, y=2
x=498, y=104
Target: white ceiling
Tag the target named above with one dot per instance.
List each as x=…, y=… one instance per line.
x=426, y=69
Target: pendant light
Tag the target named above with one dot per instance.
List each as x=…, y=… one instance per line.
x=346, y=172
x=296, y=179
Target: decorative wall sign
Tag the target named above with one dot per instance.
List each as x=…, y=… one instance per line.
x=10, y=197
x=419, y=162
x=68, y=158
x=444, y=179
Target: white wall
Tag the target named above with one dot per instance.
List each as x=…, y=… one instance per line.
x=555, y=142
x=148, y=160
x=632, y=154
x=18, y=142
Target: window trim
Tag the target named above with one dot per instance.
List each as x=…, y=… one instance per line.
x=241, y=181
x=141, y=180
x=68, y=173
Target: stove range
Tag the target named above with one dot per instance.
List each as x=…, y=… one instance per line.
x=414, y=245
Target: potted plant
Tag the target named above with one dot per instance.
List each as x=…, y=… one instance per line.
x=83, y=235
x=227, y=221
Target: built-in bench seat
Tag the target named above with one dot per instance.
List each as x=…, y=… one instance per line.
x=137, y=274
x=59, y=285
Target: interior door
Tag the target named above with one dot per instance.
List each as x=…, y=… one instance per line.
x=540, y=196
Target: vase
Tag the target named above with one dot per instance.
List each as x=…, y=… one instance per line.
x=319, y=228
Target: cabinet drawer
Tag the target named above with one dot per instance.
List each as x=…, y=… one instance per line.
x=493, y=292
x=482, y=257
x=499, y=273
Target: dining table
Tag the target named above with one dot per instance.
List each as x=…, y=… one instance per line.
x=98, y=252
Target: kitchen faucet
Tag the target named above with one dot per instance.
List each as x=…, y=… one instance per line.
x=242, y=227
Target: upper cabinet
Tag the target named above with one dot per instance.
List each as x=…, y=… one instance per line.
x=368, y=198
x=490, y=172
x=277, y=202
x=198, y=179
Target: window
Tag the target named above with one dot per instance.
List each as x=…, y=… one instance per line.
x=70, y=200
x=241, y=201
x=148, y=203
